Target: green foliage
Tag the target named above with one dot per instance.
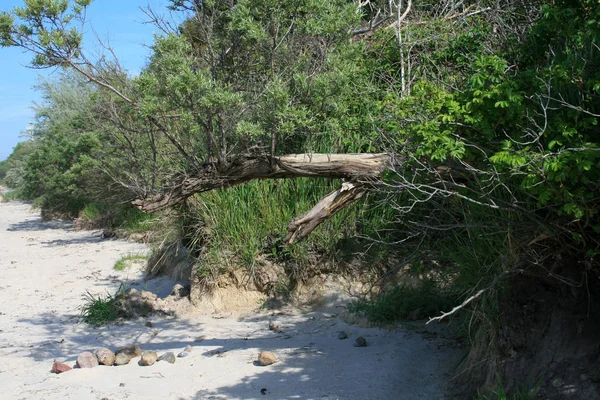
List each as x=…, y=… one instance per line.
x=3, y=168
x=14, y=166
x=427, y=299
x=90, y=212
x=246, y=221
x=48, y=28
x=100, y=310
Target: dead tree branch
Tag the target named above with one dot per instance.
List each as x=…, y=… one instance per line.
x=244, y=168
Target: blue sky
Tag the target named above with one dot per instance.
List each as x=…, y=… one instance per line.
x=120, y=21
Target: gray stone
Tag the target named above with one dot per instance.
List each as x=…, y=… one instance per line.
x=104, y=356
x=168, y=357
x=342, y=335
x=266, y=358
x=122, y=359
x=87, y=360
x=360, y=342
x=183, y=354
x=148, y=358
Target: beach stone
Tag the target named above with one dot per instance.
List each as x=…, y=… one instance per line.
x=87, y=360
x=274, y=326
x=342, y=335
x=122, y=359
x=131, y=351
x=266, y=358
x=105, y=356
x=59, y=368
x=188, y=348
x=183, y=354
x=168, y=357
x=148, y=358
x=360, y=342
x=149, y=324
x=180, y=291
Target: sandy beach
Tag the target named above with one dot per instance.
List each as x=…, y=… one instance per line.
x=47, y=267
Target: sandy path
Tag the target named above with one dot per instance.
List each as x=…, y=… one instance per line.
x=46, y=267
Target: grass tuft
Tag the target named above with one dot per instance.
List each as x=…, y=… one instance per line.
x=99, y=310
x=127, y=260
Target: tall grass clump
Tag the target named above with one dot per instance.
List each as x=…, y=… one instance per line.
x=238, y=224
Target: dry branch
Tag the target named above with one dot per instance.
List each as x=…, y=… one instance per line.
x=243, y=168
x=302, y=226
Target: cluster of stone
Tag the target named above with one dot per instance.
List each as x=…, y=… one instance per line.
x=122, y=356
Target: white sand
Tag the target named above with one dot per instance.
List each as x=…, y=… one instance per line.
x=46, y=267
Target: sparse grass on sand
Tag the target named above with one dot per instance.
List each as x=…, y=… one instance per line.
x=129, y=260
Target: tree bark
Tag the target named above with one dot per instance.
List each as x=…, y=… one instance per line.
x=353, y=167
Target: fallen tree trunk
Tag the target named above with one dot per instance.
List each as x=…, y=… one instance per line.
x=353, y=167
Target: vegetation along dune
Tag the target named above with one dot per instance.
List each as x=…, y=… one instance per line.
x=304, y=199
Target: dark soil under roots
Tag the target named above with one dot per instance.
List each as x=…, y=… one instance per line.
x=548, y=338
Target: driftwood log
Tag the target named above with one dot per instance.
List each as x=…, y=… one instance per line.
x=358, y=170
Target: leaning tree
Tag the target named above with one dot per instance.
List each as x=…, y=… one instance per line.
x=234, y=91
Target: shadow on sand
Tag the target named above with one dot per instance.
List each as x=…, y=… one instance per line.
x=38, y=224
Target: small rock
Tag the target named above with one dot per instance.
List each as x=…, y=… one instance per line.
x=342, y=335
x=274, y=326
x=183, y=354
x=266, y=358
x=131, y=351
x=87, y=360
x=59, y=368
x=360, y=342
x=180, y=291
x=168, y=357
x=264, y=391
x=122, y=359
x=104, y=356
x=149, y=324
x=148, y=358
x=188, y=348
x=121, y=384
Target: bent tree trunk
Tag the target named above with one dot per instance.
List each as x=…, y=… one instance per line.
x=358, y=169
